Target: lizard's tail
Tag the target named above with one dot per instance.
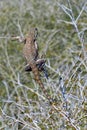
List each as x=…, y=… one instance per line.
x=37, y=78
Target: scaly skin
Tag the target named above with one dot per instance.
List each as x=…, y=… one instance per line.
x=30, y=52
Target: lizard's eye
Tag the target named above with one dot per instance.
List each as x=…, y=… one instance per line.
x=36, y=29
x=25, y=41
x=36, y=32
x=34, y=40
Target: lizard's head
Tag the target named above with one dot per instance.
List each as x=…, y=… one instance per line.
x=33, y=33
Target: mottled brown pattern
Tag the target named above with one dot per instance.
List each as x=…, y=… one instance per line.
x=30, y=52
x=30, y=48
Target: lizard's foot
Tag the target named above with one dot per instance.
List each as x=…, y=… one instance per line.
x=40, y=64
x=28, y=68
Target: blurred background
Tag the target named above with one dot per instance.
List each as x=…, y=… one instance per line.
x=62, y=40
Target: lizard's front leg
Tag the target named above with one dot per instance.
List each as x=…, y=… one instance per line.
x=19, y=38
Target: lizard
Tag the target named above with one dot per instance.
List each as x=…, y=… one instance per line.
x=40, y=63
x=30, y=52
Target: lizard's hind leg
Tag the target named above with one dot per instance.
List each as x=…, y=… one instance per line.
x=28, y=68
x=39, y=63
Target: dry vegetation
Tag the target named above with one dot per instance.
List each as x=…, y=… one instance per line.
x=62, y=26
